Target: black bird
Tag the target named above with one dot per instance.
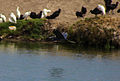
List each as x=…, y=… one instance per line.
x=118, y=11
x=107, y=8
x=111, y=7
x=96, y=11
x=54, y=15
x=84, y=10
x=21, y=17
x=33, y=15
x=82, y=13
x=79, y=14
x=58, y=34
x=108, y=2
x=39, y=14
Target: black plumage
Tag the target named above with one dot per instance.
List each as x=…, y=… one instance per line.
x=111, y=7
x=21, y=17
x=79, y=14
x=107, y=8
x=118, y=11
x=108, y=2
x=58, y=34
x=33, y=15
x=82, y=12
x=54, y=15
x=39, y=14
x=96, y=11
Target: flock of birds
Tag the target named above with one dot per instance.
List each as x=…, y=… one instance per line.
x=42, y=14
x=100, y=9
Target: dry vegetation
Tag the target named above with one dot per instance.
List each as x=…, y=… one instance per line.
x=97, y=31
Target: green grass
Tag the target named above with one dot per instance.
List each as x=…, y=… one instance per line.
x=27, y=29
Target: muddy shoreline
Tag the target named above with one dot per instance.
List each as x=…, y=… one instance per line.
x=102, y=31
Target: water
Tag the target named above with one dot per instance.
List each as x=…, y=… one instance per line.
x=52, y=62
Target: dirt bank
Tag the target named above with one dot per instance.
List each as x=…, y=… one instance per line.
x=67, y=16
x=96, y=31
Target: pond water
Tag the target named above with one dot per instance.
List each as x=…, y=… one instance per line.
x=30, y=61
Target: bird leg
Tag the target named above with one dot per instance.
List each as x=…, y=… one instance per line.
x=112, y=12
x=83, y=15
x=96, y=15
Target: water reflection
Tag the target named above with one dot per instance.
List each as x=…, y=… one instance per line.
x=29, y=61
x=56, y=72
x=59, y=50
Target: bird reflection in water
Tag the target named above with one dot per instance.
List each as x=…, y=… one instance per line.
x=56, y=72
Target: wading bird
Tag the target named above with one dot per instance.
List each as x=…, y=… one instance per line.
x=1, y=20
x=18, y=13
x=44, y=13
x=12, y=18
x=3, y=17
x=102, y=8
x=26, y=14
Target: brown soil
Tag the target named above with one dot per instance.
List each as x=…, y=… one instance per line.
x=69, y=7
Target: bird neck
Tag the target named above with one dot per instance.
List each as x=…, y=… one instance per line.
x=45, y=13
x=116, y=3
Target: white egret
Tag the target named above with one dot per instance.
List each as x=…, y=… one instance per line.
x=44, y=13
x=26, y=14
x=102, y=8
x=1, y=20
x=12, y=18
x=18, y=13
x=3, y=17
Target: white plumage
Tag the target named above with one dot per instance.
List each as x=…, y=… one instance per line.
x=44, y=13
x=3, y=17
x=26, y=14
x=18, y=13
x=12, y=18
x=102, y=8
x=1, y=20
